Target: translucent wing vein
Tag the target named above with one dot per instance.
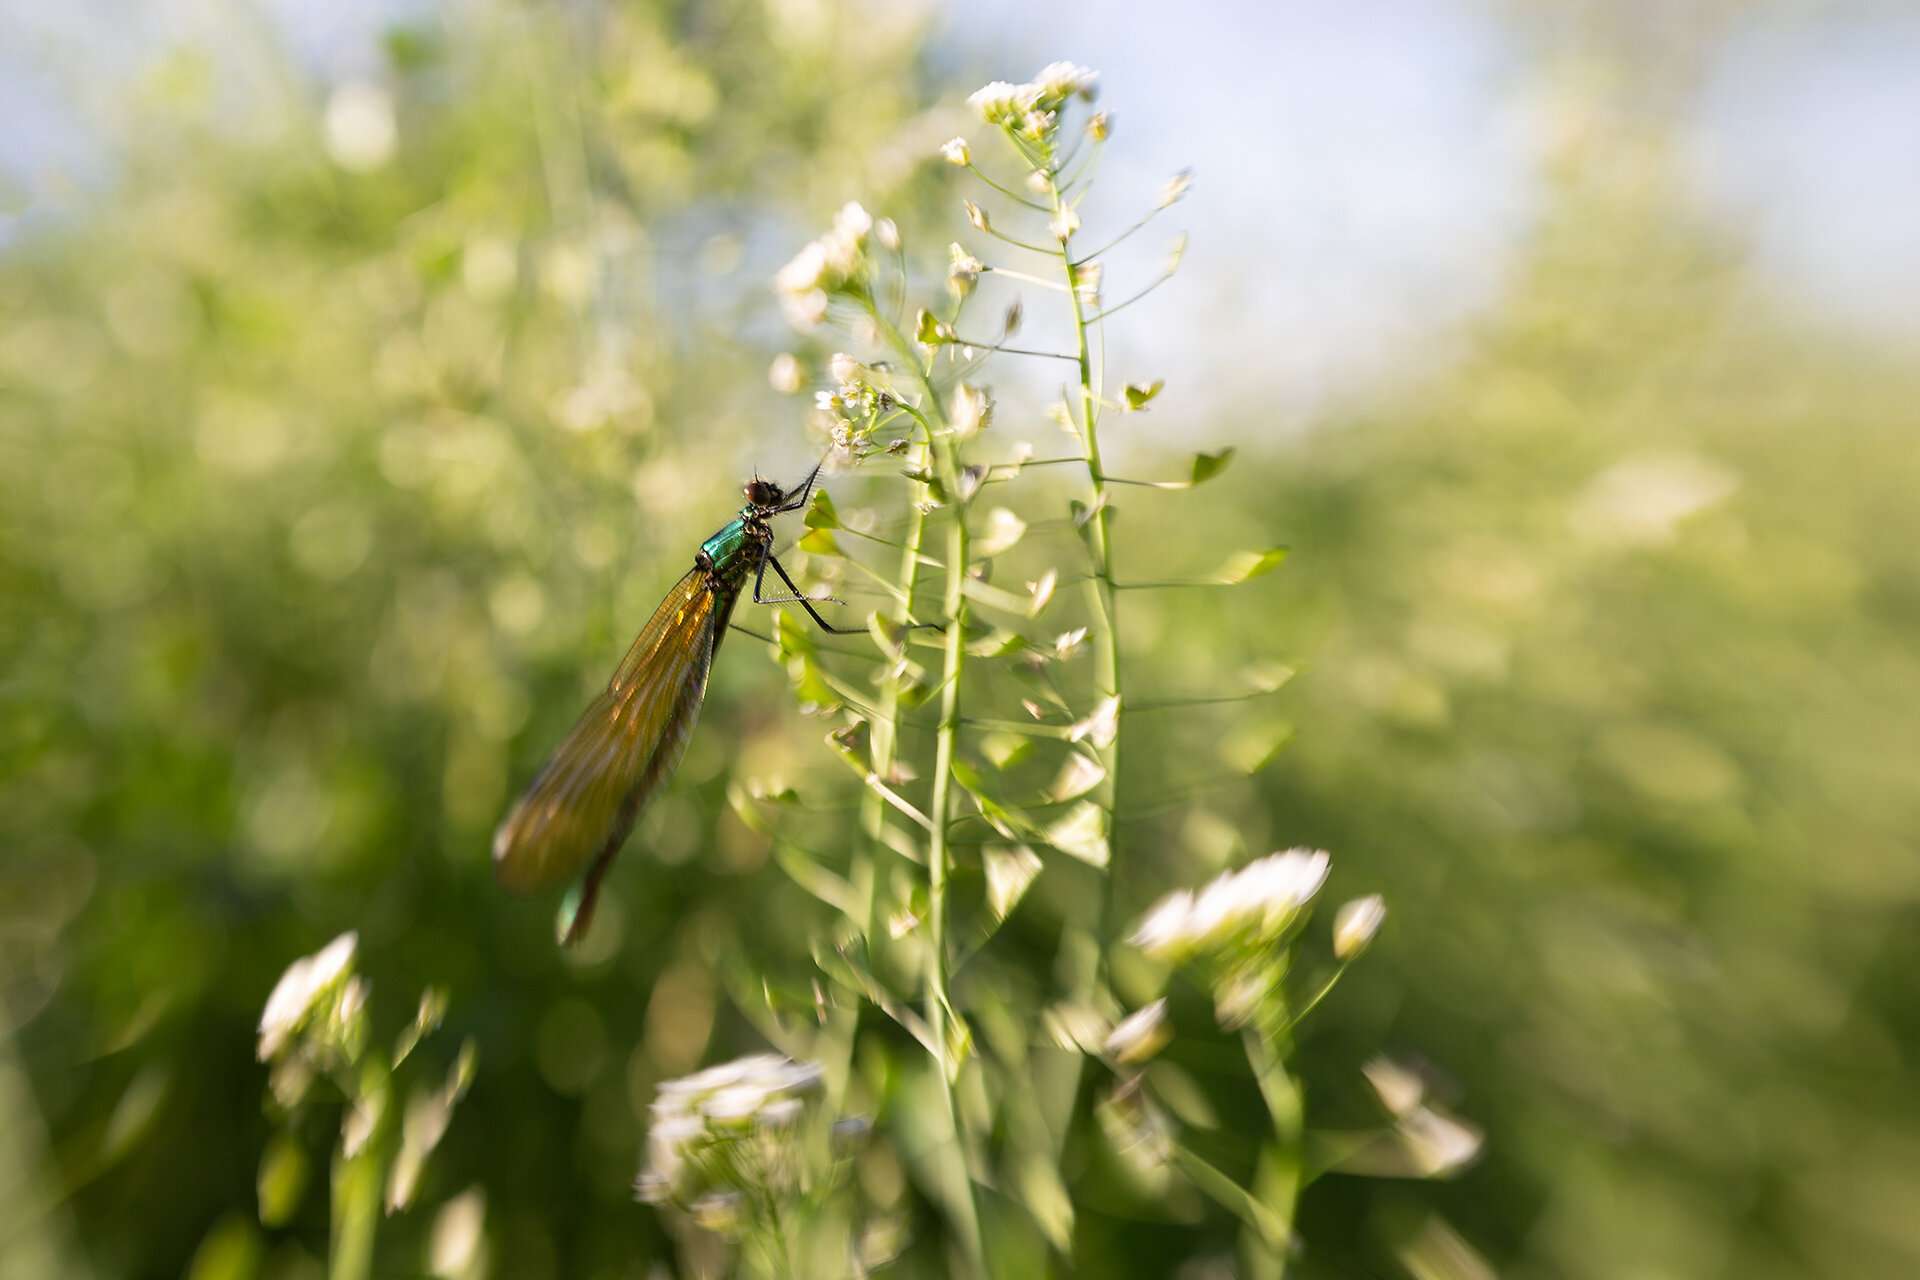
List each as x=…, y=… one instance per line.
x=585, y=800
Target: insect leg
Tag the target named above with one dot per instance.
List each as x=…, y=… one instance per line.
x=804, y=601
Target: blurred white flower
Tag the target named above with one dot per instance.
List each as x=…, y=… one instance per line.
x=361, y=133
x=1355, y=924
x=972, y=410
x=847, y=372
x=824, y=267
x=785, y=374
x=1400, y=1089
x=1001, y=102
x=956, y=152
x=1059, y=81
x=963, y=271
x=798, y=285
x=1176, y=187
x=1437, y=1143
x=1063, y=224
x=1253, y=905
x=1140, y=1035
x=1086, y=282
x=307, y=982
x=701, y=1113
x=1163, y=931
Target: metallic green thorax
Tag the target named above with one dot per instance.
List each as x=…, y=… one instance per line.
x=729, y=553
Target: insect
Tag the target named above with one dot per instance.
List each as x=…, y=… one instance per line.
x=586, y=798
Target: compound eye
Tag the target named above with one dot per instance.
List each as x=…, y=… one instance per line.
x=763, y=493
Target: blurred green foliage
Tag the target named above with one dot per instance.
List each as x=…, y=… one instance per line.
x=327, y=495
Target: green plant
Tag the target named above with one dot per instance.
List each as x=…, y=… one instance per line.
x=979, y=741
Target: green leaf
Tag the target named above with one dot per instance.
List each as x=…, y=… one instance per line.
x=1100, y=726
x=1252, y=747
x=1042, y=593
x=1081, y=774
x=1244, y=566
x=1083, y=834
x=820, y=542
x=821, y=514
x=814, y=878
x=1266, y=676
x=1138, y=394
x=929, y=332
x=1011, y=871
x=997, y=643
x=1208, y=465
x=282, y=1179
x=1003, y=530
x=1004, y=750
x=888, y=635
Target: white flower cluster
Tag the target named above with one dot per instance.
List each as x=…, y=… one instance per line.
x=1250, y=906
x=825, y=267
x=699, y=1124
x=1031, y=108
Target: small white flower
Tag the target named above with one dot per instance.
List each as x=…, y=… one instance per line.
x=1086, y=282
x=972, y=410
x=804, y=272
x=1100, y=126
x=887, y=232
x=306, y=982
x=956, y=152
x=1355, y=924
x=963, y=271
x=853, y=221
x=1001, y=102
x=977, y=216
x=1040, y=182
x=847, y=371
x=1140, y=1034
x=1176, y=187
x=1059, y=81
x=1064, y=224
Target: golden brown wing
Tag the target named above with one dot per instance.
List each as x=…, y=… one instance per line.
x=600, y=778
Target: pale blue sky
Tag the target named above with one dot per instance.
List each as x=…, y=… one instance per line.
x=1364, y=169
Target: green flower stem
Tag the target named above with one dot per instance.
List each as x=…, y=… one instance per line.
x=1100, y=595
x=356, y=1212
x=939, y=1007
x=1278, y=1181
x=1231, y=1196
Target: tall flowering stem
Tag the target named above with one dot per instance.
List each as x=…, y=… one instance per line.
x=1030, y=116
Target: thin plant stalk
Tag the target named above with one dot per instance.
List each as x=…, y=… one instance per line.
x=1101, y=594
x=940, y=446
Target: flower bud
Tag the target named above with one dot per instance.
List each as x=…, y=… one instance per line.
x=1140, y=1035
x=956, y=152
x=1355, y=924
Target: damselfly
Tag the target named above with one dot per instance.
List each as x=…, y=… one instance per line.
x=585, y=800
